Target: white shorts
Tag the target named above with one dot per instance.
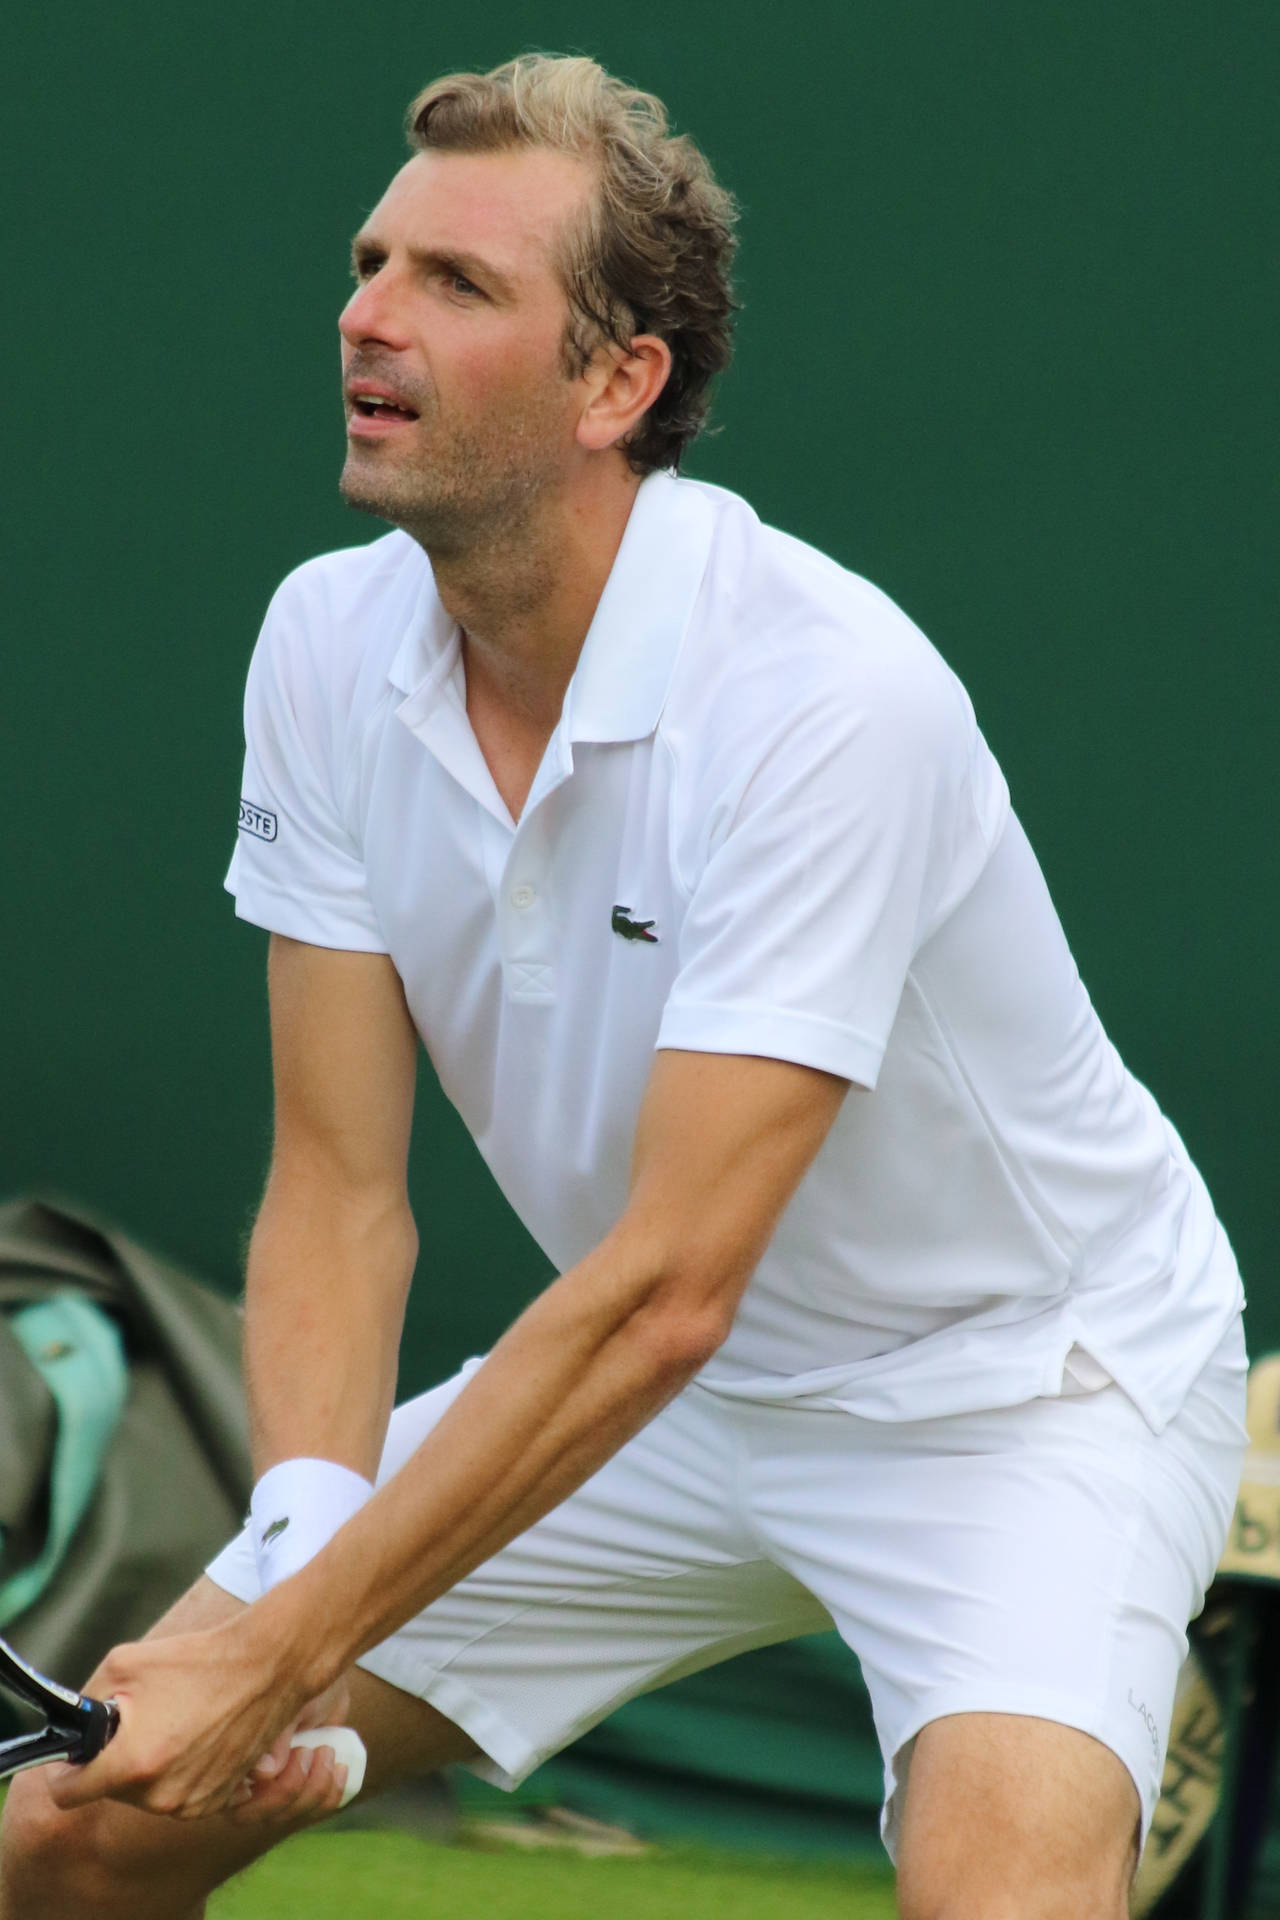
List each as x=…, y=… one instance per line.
x=1041, y=1559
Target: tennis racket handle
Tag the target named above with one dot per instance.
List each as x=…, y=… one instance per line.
x=348, y=1751
x=101, y=1719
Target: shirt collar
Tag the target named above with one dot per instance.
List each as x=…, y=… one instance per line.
x=620, y=683
x=429, y=647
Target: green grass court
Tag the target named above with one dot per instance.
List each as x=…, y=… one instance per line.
x=393, y=1876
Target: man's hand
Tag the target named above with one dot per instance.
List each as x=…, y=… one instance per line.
x=290, y=1783
x=201, y=1714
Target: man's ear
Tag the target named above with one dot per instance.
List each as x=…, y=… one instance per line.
x=623, y=384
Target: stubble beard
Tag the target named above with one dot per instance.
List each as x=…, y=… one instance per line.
x=464, y=490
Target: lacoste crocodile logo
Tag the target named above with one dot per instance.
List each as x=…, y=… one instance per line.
x=274, y=1531
x=632, y=929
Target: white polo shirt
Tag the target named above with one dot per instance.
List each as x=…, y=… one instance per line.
x=766, y=824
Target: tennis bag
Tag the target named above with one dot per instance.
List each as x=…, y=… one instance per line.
x=1206, y=1840
x=124, y=1454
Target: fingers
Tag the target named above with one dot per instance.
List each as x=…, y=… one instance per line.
x=187, y=1734
x=275, y=1760
x=76, y=1786
x=287, y=1785
x=309, y=1788
x=65, y=1785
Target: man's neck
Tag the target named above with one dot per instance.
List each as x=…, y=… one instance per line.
x=525, y=599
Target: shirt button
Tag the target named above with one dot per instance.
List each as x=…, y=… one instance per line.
x=523, y=896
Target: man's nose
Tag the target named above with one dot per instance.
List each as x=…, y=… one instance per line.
x=373, y=313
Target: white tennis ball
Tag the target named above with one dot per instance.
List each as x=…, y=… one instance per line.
x=348, y=1752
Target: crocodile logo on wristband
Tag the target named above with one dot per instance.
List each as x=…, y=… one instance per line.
x=274, y=1531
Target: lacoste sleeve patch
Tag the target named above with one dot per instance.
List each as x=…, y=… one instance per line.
x=297, y=869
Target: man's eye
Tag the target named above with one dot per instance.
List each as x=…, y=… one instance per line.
x=365, y=267
x=460, y=284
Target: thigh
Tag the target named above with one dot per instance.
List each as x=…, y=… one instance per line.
x=1057, y=1812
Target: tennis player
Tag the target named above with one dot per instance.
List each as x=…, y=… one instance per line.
x=887, y=1296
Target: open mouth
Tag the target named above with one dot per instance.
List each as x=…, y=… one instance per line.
x=372, y=406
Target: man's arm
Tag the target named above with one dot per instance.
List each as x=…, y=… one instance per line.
x=721, y=1145
x=333, y=1249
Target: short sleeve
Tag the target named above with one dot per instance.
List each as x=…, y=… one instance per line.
x=297, y=867
x=869, y=810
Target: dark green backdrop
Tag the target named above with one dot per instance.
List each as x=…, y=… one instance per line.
x=1008, y=348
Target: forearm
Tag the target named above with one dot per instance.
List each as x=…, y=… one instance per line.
x=721, y=1144
x=328, y=1275
x=582, y=1370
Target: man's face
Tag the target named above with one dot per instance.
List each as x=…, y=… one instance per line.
x=458, y=318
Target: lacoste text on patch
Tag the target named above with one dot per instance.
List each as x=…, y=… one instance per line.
x=257, y=820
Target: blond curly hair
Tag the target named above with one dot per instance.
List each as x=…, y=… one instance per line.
x=655, y=250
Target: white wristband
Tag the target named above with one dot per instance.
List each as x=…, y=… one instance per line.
x=297, y=1507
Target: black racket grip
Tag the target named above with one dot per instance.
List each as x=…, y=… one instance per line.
x=79, y=1733
x=101, y=1718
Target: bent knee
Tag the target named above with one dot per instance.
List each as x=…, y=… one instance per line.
x=31, y=1823
x=1031, y=1903
x=51, y=1847
x=1017, y=1877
